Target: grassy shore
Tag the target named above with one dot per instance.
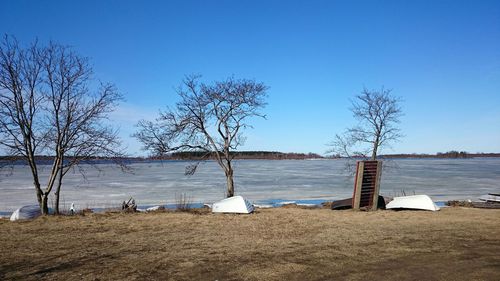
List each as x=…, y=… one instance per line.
x=272, y=244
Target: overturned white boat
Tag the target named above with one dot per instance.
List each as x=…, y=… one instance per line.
x=235, y=204
x=26, y=213
x=490, y=197
x=416, y=202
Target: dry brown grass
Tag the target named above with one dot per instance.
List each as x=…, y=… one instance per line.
x=273, y=244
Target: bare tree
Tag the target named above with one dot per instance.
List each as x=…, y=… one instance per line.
x=74, y=124
x=378, y=113
x=47, y=107
x=20, y=99
x=208, y=118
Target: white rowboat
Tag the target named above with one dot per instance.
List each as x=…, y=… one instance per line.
x=235, y=204
x=416, y=202
x=26, y=212
x=490, y=197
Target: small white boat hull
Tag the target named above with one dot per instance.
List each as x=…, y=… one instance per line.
x=235, y=204
x=416, y=202
x=26, y=213
x=154, y=208
x=490, y=198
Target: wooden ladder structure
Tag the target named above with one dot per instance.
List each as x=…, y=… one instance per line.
x=366, y=185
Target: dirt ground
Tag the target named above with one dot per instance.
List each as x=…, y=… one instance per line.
x=273, y=244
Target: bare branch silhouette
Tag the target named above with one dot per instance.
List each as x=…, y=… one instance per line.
x=47, y=106
x=378, y=113
x=209, y=117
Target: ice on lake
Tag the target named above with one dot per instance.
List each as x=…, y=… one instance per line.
x=153, y=183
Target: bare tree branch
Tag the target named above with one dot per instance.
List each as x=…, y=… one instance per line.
x=209, y=118
x=378, y=114
x=47, y=107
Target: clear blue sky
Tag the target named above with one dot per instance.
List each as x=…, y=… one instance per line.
x=441, y=57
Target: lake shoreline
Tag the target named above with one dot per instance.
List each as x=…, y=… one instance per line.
x=161, y=183
x=266, y=204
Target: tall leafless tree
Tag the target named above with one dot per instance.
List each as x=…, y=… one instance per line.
x=75, y=130
x=378, y=114
x=20, y=100
x=47, y=107
x=209, y=118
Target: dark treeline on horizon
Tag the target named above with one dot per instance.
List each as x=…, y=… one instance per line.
x=275, y=155
x=271, y=155
x=450, y=154
x=264, y=155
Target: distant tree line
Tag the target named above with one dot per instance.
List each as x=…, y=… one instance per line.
x=453, y=154
x=450, y=154
x=47, y=159
x=267, y=155
x=270, y=155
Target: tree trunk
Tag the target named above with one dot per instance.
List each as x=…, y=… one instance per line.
x=375, y=148
x=45, y=204
x=52, y=179
x=374, y=153
x=230, y=184
x=225, y=164
x=58, y=189
x=36, y=181
x=39, y=193
x=230, y=181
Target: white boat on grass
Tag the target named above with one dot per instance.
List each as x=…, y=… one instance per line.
x=415, y=202
x=490, y=197
x=26, y=212
x=235, y=204
x=154, y=208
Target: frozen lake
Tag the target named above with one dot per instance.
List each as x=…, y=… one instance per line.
x=258, y=180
